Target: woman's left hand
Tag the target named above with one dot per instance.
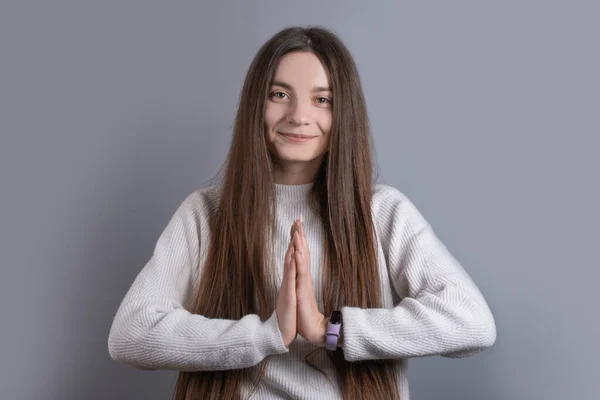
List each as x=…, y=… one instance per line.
x=310, y=323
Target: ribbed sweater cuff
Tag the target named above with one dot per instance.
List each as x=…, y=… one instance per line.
x=268, y=338
x=352, y=331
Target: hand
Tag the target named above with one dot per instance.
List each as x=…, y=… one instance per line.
x=311, y=324
x=286, y=301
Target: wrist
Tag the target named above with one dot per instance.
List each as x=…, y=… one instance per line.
x=334, y=331
x=323, y=330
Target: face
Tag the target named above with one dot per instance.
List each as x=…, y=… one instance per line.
x=298, y=114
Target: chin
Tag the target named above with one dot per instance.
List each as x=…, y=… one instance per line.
x=295, y=156
x=296, y=152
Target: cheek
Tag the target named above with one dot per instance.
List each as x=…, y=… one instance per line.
x=325, y=123
x=268, y=122
x=272, y=116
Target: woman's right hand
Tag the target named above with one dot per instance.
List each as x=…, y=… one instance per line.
x=286, y=301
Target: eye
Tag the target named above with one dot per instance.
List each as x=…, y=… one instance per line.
x=323, y=100
x=278, y=95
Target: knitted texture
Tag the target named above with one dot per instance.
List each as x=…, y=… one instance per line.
x=431, y=306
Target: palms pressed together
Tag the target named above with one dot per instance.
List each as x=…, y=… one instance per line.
x=297, y=309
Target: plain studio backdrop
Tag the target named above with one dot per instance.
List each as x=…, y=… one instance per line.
x=485, y=115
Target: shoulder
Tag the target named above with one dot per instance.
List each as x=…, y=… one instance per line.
x=392, y=207
x=197, y=209
x=388, y=198
x=386, y=193
x=202, y=200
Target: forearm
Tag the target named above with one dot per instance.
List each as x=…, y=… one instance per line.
x=449, y=323
x=146, y=337
x=441, y=311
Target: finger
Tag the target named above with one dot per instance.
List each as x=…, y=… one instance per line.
x=292, y=228
x=300, y=254
x=295, y=228
x=288, y=284
x=302, y=244
x=298, y=242
x=289, y=271
x=301, y=264
x=290, y=294
x=303, y=234
x=304, y=289
x=290, y=252
x=290, y=275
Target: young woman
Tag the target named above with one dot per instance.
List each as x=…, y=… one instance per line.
x=298, y=277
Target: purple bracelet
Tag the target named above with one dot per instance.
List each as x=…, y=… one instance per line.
x=333, y=330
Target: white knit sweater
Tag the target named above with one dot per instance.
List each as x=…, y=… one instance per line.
x=431, y=305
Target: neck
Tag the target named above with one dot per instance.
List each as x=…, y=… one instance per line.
x=296, y=172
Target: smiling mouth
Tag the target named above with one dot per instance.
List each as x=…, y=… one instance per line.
x=296, y=136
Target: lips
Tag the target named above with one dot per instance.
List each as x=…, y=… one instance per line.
x=297, y=136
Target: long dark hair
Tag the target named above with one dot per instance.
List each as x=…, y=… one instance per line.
x=342, y=191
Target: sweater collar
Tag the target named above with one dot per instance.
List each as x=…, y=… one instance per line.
x=293, y=192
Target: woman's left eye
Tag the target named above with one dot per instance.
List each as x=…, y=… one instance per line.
x=279, y=95
x=323, y=100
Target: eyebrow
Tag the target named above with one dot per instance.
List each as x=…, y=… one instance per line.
x=289, y=87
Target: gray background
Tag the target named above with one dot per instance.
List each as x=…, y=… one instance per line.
x=486, y=115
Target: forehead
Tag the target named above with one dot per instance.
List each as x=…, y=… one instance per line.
x=300, y=69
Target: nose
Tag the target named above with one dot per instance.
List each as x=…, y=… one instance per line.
x=298, y=114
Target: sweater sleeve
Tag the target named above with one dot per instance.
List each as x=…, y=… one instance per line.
x=440, y=309
x=153, y=330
